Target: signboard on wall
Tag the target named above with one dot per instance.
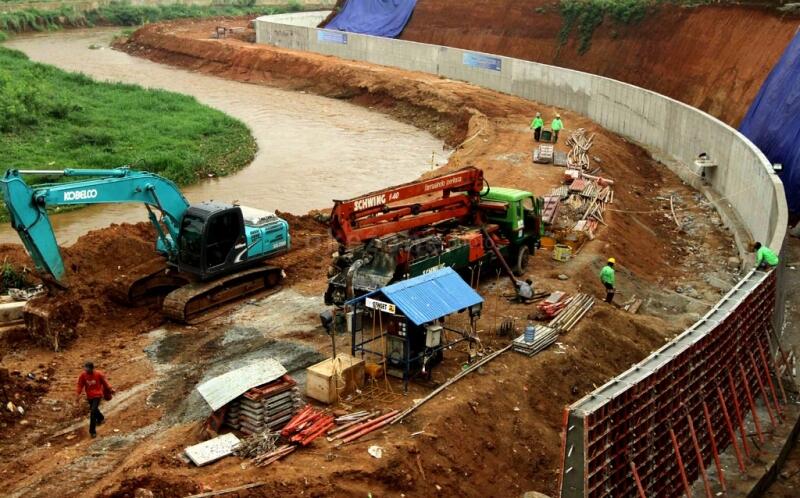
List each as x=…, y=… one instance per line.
x=482, y=61
x=326, y=36
x=380, y=306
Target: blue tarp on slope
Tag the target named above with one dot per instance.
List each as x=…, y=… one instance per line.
x=773, y=121
x=374, y=17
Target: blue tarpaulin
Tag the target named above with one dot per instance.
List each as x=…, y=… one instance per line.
x=374, y=17
x=773, y=121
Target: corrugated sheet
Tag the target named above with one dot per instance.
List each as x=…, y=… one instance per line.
x=221, y=390
x=431, y=296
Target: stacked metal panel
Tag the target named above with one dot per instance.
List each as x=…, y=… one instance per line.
x=266, y=407
x=543, y=338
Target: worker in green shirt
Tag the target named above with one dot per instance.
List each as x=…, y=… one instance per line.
x=536, y=126
x=556, y=126
x=608, y=279
x=765, y=257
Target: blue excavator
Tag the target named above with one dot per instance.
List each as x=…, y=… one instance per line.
x=213, y=252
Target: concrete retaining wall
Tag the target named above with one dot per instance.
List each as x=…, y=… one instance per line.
x=84, y=5
x=675, y=132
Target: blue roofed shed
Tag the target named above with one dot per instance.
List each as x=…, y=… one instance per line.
x=428, y=297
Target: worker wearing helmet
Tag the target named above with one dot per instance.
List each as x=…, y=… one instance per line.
x=556, y=126
x=608, y=279
x=765, y=257
x=536, y=126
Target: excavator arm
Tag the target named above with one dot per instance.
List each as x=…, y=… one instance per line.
x=27, y=206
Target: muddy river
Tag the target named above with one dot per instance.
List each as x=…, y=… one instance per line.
x=311, y=149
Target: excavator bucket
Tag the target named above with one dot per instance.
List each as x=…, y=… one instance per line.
x=31, y=222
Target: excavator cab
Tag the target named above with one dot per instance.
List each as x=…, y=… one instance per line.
x=212, y=240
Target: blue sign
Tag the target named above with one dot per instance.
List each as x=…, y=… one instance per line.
x=332, y=37
x=483, y=61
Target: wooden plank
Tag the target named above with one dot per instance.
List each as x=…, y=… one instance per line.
x=227, y=490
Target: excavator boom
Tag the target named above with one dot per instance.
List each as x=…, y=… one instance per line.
x=27, y=206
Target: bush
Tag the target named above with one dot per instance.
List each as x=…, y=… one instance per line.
x=11, y=278
x=125, y=14
x=52, y=118
x=587, y=15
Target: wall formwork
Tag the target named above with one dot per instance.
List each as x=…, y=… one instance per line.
x=701, y=386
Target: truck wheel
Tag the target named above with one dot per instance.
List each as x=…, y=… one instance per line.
x=522, y=261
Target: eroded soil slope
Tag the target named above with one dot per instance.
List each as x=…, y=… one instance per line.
x=712, y=57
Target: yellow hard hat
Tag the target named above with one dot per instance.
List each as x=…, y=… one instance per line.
x=612, y=261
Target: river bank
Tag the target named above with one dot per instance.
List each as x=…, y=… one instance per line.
x=310, y=149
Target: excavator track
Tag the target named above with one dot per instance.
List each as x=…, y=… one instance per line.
x=191, y=301
x=145, y=282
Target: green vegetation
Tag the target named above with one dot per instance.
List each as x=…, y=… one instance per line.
x=12, y=278
x=53, y=119
x=124, y=14
x=588, y=15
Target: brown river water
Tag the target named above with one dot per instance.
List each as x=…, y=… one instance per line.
x=311, y=149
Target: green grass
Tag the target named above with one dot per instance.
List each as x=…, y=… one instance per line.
x=53, y=119
x=124, y=14
x=587, y=15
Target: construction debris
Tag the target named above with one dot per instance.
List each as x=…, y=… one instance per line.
x=578, y=156
x=257, y=444
x=268, y=458
x=264, y=408
x=632, y=305
x=365, y=427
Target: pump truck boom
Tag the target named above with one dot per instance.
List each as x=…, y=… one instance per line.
x=214, y=251
x=405, y=231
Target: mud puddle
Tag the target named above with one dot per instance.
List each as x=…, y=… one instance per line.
x=311, y=149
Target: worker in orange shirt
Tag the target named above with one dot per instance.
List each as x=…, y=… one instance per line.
x=94, y=383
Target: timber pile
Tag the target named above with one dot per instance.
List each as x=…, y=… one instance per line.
x=579, y=143
x=571, y=313
x=632, y=305
x=543, y=338
x=264, y=408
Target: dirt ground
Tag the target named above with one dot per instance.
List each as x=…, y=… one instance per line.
x=496, y=433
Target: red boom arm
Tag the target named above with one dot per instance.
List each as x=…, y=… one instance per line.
x=383, y=212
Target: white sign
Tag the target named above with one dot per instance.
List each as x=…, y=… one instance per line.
x=381, y=306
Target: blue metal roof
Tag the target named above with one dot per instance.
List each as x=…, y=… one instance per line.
x=430, y=296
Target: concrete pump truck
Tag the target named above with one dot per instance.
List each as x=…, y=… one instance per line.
x=454, y=220
x=213, y=252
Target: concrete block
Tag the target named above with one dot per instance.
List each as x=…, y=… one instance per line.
x=10, y=312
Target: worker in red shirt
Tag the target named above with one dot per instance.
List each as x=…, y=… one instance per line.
x=97, y=388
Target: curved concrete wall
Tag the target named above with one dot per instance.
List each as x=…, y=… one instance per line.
x=675, y=132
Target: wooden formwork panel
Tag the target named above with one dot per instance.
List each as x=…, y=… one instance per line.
x=627, y=423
